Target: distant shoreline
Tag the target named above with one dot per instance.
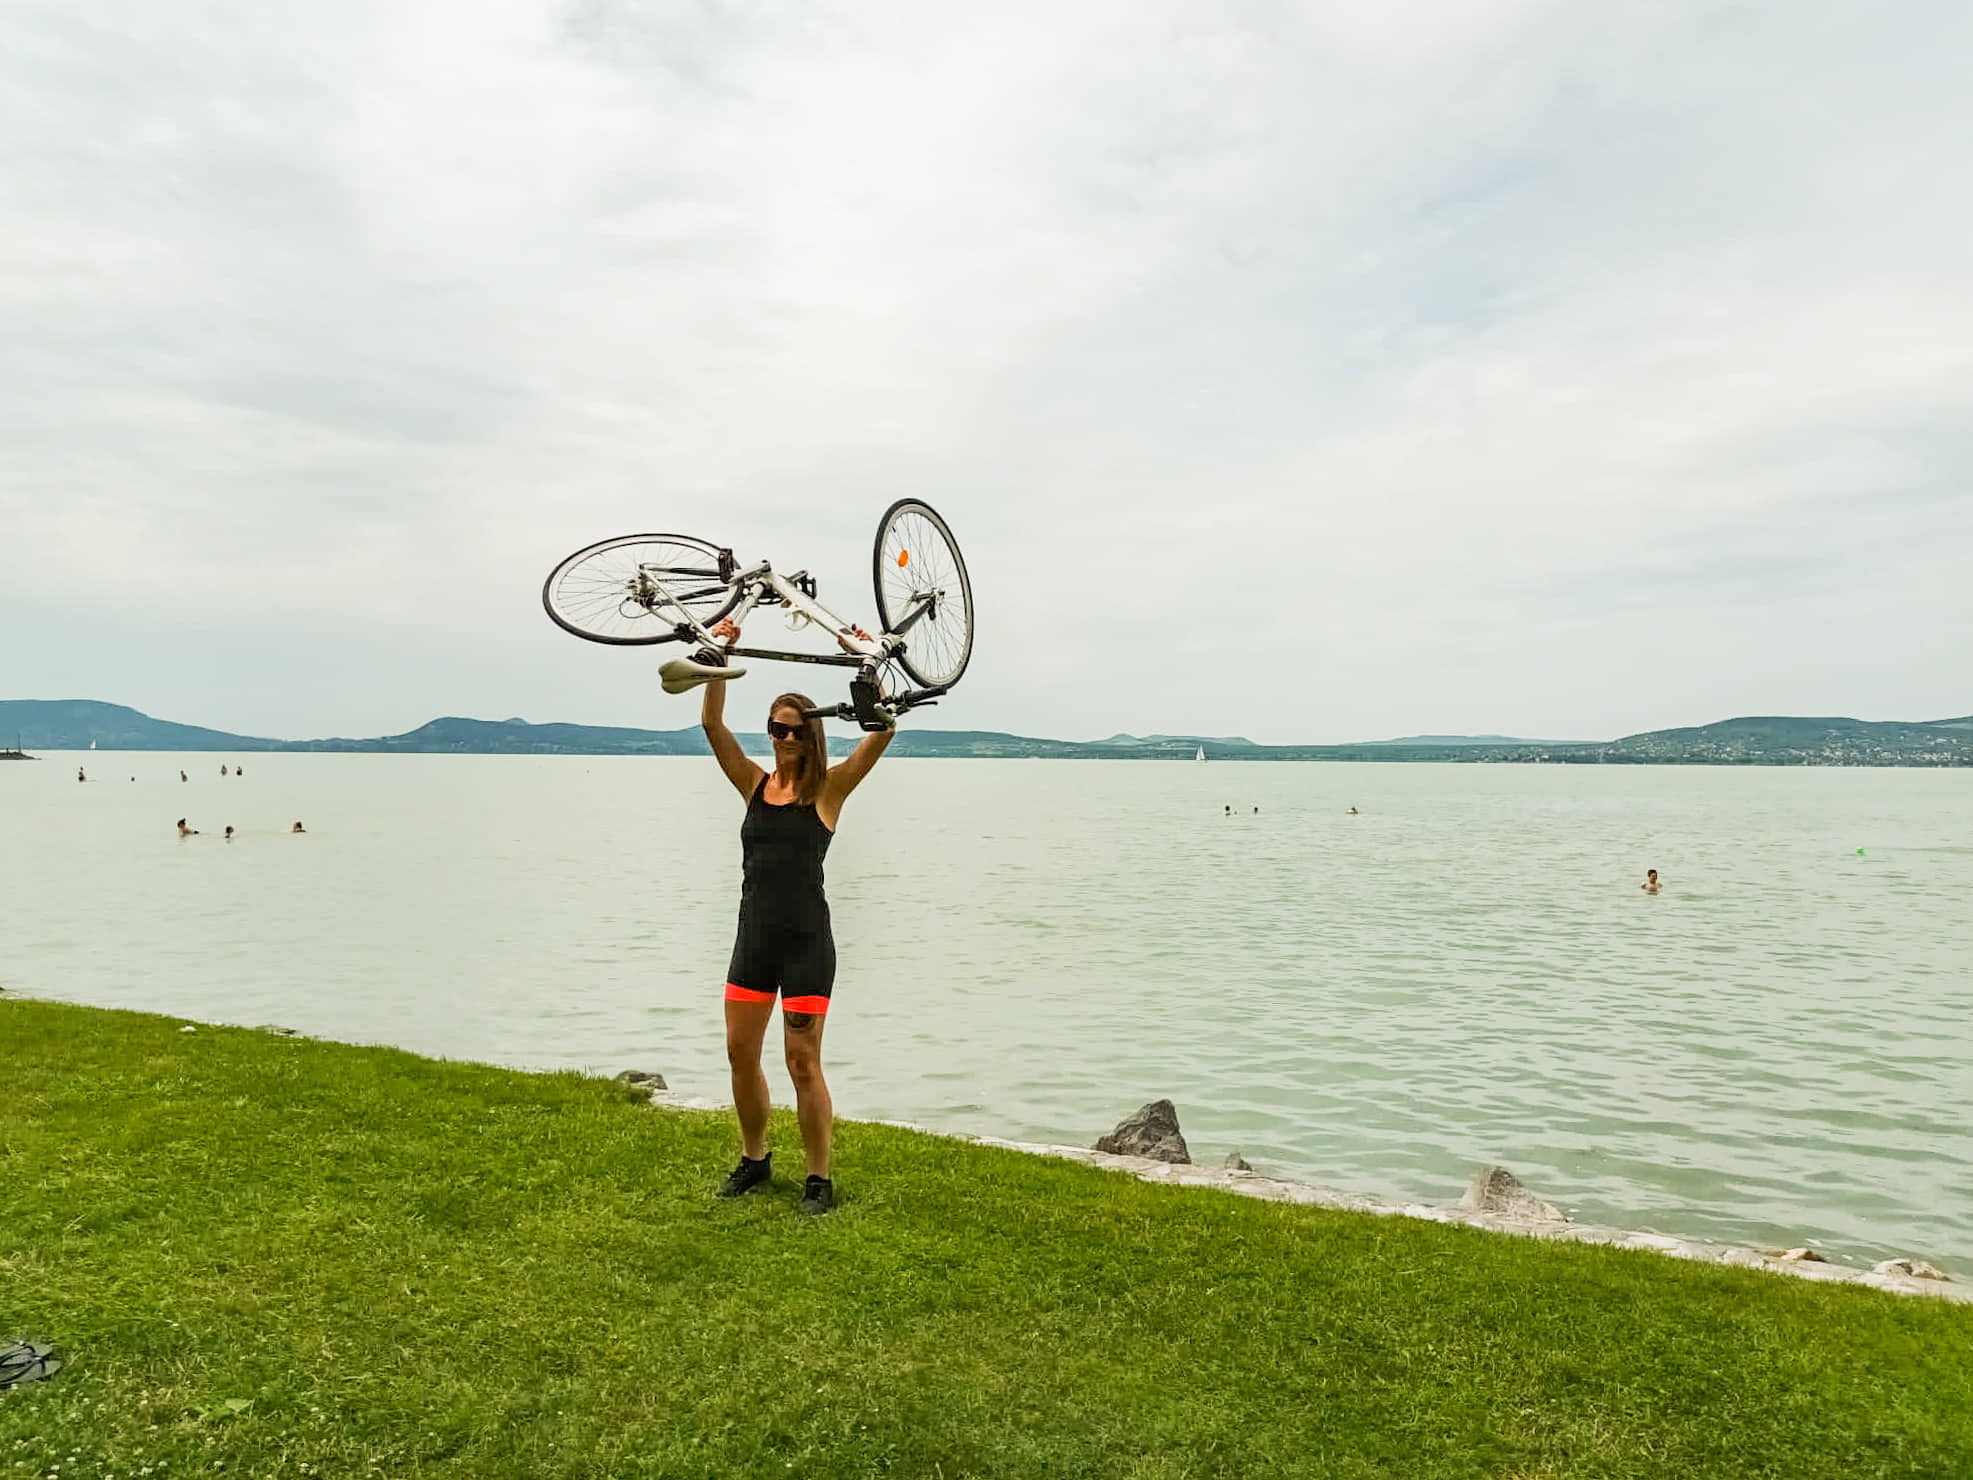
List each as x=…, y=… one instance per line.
x=1259, y=756
x=77, y=724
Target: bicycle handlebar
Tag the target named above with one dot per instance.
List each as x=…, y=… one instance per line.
x=886, y=710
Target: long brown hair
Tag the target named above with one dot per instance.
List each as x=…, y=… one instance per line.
x=814, y=767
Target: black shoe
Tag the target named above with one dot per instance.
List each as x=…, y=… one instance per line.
x=747, y=1176
x=818, y=1196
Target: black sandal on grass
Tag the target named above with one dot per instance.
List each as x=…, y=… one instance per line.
x=28, y=1361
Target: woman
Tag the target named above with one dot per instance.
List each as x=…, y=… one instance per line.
x=783, y=943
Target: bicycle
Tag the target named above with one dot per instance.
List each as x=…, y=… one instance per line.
x=639, y=590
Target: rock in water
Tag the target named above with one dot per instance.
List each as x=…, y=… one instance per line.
x=1912, y=1269
x=1497, y=1190
x=1235, y=1162
x=639, y=1079
x=1802, y=1256
x=1152, y=1132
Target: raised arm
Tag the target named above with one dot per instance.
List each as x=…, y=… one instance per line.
x=845, y=774
x=742, y=772
x=850, y=771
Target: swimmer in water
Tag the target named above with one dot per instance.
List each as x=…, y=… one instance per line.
x=1353, y=812
x=229, y=832
x=78, y=774
x=183, y=777
x=297, y=828
x=186, y=832
x=1650, y=884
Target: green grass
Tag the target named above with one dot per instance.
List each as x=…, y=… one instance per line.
x=273, y=1256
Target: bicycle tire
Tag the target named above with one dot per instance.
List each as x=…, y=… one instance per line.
x=915, y=553
x=592, y=593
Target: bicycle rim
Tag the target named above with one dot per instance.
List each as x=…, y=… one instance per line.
x=917, y=557
x=634, y=590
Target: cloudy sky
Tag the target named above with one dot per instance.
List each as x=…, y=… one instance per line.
x=1312, y=373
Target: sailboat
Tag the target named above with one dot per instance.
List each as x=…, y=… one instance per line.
x=92, y=744
x=1201, y=755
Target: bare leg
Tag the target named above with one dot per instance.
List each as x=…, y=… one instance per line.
x=746, y=1028
x=802, y=1037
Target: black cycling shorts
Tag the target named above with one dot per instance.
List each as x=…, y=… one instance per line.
x=799, y=964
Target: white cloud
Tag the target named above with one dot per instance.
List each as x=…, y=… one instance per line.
x=1505, y=367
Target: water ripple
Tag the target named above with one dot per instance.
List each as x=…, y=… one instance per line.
x=1771, y=1051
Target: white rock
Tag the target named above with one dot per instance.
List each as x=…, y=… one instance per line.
x=1497, y=1190
x=1911, y=1269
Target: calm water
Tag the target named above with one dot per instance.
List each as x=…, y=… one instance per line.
x=1773, y=1050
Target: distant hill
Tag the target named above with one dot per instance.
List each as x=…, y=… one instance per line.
x=518, y=737
x=1787, y=740
x=1128, y=740
x=1471, y=740
x=72, y=724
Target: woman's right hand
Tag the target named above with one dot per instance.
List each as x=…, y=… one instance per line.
x=724, y=631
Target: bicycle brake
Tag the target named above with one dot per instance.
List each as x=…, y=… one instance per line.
x=867, y=699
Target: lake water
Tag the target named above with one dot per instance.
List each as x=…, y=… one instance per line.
x=1774, y=1050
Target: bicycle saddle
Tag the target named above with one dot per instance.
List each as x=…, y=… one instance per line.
x=681, y=674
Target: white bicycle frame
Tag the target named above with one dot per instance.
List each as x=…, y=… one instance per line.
x=762, y=583
x=762, y=580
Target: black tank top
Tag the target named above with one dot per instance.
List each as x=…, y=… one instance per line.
x=781, y=851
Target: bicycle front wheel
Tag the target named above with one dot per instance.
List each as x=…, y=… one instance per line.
x=922, y=592
x=634, y=590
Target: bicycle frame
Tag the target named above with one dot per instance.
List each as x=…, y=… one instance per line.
x=761, y=585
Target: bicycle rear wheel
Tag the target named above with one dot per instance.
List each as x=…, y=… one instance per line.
x=918, y=564
x=634, y=590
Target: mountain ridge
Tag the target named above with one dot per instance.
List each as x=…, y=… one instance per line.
x=73, y=724
x=1472, y=740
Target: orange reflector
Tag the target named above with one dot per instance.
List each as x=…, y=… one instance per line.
x=904, y=557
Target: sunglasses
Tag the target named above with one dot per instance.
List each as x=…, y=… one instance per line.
x=783, y=732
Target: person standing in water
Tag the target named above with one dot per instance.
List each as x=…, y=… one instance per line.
x=783, y=942
x=186, y=832
x=1650, y=884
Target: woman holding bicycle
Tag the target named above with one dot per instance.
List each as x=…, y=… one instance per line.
x=783, y=943
x=640, y=590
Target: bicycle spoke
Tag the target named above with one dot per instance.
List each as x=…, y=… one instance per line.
x=916, y=557
x=638, y=589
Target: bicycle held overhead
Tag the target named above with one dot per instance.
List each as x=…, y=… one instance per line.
x=645, y=589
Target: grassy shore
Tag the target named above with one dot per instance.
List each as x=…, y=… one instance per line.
x=275, y=1256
